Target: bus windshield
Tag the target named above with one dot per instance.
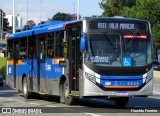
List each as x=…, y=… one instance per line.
x=112, y=49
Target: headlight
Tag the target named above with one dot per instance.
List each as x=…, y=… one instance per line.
x=149, y=77
x=90, y=77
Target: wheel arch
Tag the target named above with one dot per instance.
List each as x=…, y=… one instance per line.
x=61, y=84
x=23, y=76
x=62, y=80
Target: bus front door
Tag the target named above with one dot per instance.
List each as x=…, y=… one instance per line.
x=74, y=57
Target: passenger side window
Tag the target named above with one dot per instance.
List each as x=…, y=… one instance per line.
x=23, y=49
x=50, y=46
x=31, y=48
x=59, y=44
x=10, y=49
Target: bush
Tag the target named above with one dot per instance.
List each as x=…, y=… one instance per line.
x=3, y=72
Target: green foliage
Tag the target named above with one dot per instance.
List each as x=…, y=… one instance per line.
x=3, y=72
x=2, y=62
x=64, y=17
x=3, y=67
x=114, y=7
x=29, y=25
x=5, y=21
x=59, y=17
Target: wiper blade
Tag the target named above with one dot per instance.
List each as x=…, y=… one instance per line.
x=136, y=33
x=109, y=40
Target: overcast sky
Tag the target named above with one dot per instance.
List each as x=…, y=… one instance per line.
x=50, y=7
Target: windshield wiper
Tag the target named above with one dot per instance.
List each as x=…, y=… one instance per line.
x=109, y=40
x=136, y=33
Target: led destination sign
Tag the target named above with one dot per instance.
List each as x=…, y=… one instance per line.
x=117, y=25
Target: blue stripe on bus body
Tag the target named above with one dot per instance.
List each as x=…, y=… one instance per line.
x=47, y=69
x=121, y=77
x=52, y=70
x=121, y=80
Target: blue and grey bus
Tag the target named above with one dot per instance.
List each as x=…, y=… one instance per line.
x=108, y=57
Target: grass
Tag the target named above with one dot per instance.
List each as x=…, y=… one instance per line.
x=2, y=62
x=3, y=67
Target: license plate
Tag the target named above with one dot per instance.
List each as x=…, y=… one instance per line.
x=122, y=93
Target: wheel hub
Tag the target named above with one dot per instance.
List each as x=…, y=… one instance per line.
x=66, y=92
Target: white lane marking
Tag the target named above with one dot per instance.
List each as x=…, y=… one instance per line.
x=99, y=100
x=34, y=103
x=156, y=92
x=137, y=106
x=68, y=109
x=20, y=101
x=92, y=114
x=50, y=106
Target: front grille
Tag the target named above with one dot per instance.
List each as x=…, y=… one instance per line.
x=122, y=73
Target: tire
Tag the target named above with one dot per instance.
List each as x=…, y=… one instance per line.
x=121, y=102
x=26, y=93
x=67, y=99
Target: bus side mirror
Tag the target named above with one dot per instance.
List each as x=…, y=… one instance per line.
x=82, y=43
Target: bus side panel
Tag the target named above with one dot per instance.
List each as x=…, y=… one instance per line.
x=10, y=74
x=23, y=67
x=50, y=75
x=34, y=75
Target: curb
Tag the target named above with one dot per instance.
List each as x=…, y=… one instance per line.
x=156, y=74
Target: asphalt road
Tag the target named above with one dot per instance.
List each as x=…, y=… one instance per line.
x=85, y=107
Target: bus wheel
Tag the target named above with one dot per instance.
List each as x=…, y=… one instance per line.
x=121, y=102
x=68, y=99
x=26, y=93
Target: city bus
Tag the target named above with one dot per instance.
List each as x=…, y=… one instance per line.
x=108, y=57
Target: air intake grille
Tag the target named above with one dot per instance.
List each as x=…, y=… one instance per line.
x=122, y=73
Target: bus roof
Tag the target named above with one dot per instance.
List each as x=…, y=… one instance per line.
x=59, y=25
x=55, y=26
x=21, y=34
x=39, y=29
x=48, y=24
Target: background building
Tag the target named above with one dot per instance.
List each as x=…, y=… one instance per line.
x=18, y=19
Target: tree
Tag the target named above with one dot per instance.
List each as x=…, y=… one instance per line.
x=71, y=17
x=29, y=25
x=114, y=7
x=42, y=22
x=5, y=21
x=59, y=17
x=64, y=17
